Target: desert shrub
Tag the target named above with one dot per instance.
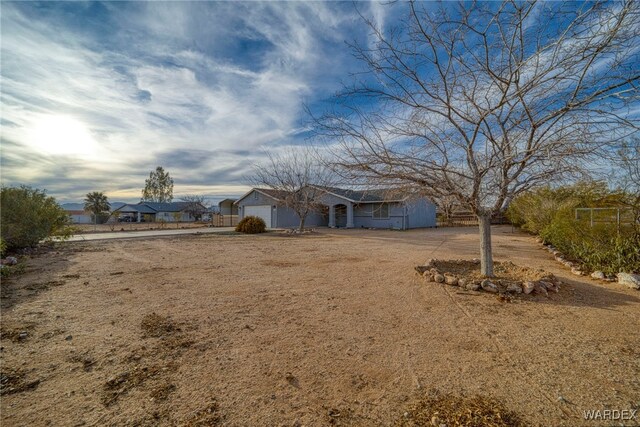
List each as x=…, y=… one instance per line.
x=28, y=216
x=251, y=225
x=3, y=247
x=550, y=213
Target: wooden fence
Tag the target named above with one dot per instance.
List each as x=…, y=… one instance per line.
x=218, y=220
x=466, y=219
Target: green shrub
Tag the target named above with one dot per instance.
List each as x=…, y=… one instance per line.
x=28, y=216
x=550, y=213
x=251, y=225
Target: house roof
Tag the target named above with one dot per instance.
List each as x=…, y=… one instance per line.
x=152, y=207
x=274, y=194
x=367, y=196
x=166, y=207
x=355, y=196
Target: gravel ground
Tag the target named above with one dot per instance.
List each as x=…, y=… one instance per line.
x=331, y=328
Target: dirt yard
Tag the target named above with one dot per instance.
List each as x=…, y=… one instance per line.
x=135, y=226
x=331, y=328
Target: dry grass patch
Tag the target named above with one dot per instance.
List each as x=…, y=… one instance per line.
x=208, y=417
x=154, y=325
x=450, y=410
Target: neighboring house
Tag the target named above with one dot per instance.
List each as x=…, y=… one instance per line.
x=343, y=209
x=80, y=216
x=169, y=212
x=228, y=207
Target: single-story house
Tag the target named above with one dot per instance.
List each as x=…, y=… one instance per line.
x=80, y=216
x=168, y=212
x=342, y=209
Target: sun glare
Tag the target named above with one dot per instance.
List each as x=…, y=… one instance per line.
x=62, y=135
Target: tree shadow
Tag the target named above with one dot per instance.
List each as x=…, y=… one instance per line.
x=581, y=293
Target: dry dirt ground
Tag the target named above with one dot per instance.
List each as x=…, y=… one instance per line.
x=332, y=328
x=134, y=226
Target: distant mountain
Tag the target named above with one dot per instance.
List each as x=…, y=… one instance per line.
x=80, y=206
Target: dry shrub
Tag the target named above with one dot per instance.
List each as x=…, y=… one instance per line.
x=450, y=410
x=154, y=325
x=121, y=384
x=251, y=225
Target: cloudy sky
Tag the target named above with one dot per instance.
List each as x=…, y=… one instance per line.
x=96, y=95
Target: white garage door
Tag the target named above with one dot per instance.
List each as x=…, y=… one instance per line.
x=263, y=212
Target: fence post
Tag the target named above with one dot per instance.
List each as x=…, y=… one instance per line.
x=591, y=210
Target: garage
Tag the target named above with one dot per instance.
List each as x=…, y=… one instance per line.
x=263, y=212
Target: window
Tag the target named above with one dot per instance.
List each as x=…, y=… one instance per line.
x=255, y=195
x=381, y=211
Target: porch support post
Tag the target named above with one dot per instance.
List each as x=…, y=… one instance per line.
x=139, y=216
x=349, y=215
x=332, y=216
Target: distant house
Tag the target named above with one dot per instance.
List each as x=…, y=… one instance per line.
x=343, y=209
x=80, y=216
x=228, y=207
x=169, y=212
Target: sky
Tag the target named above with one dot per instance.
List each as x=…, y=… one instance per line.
x=96, y=95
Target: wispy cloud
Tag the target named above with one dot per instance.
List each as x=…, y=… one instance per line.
x=200, y=88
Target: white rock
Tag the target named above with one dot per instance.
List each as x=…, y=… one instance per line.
x=438, y=278
x=576, y=271
x=598, y=275
x=451, y=280
x=428, y=276
x=11, y=260
x=462, y=282
x=528, y=287
x=489, y=286
x=629, y=280
x=472, y=286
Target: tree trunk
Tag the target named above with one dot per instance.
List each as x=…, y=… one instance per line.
x=302, y=219
x=486, y=258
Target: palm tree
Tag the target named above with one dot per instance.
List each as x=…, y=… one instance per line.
x=97, y=203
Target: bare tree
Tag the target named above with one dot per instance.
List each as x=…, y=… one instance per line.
x=484, y=101
x=195, y=205
x=299, y=178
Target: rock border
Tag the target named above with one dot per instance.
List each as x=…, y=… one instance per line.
x=431, y=274
x=629, y=280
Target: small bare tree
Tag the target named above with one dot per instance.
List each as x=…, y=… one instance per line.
x=298, y=176
x=195, y=205
x=482, y=101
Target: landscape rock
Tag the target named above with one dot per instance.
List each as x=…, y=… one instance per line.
x=10, y=260
x=629, y=280
x=560, y=259
x=472, y=286
x=489, y=286
x=462, y=282
x=540, y=288
x=598, y=275
x=428, y=276
x=576, y=271
x=550, y=286
x=528, y=287
x=568, y=264
x=514, y=287
x=438, y=278
x=451, y=280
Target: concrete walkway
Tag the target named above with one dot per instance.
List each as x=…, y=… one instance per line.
x=146, y=233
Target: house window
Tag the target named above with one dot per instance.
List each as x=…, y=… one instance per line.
x=381, y=211
x=255, y=195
